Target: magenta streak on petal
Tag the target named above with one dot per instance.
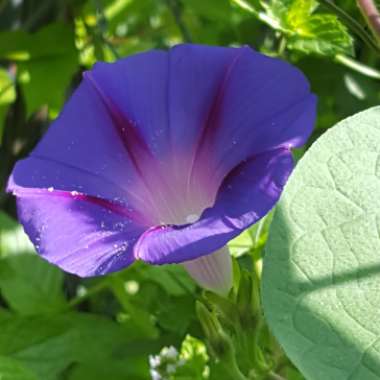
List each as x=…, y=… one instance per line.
x=211, y=122
x=132, y=195
x=138, y=151
x=116, y=208
x=133, y=142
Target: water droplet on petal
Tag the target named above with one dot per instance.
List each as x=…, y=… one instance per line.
x=192, y=218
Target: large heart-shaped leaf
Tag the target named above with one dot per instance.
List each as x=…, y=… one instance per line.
x=321, y=279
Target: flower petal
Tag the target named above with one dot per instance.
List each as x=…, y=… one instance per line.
x=168, y=98
x=80, y=234
x=212, y=272
x=265, y=104
x=133, y=89
x=246, y=195
x=82, y=151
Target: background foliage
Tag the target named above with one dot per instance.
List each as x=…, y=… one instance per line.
x=54, y=326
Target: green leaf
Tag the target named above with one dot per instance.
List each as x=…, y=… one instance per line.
x=46, y=60
x=292, y=374
x=176, y=314
x=278, y=10
x=31, y=285
x=241, y=244
x=112, y=370
x=252, y=239
x=321, y=275
x=13, y=239
x=11, y=369
x=321, y=34
x=212, y=9
x=98, y=338
x=51, y=344
x=42, y=344
x=172, y=278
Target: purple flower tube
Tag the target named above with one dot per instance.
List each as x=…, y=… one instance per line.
x=164, y=157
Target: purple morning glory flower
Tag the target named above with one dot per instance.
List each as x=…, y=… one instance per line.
x=164, y=157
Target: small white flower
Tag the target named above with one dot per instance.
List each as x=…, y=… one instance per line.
x=155, y=375
x=171, y=368
x=170, y=353
x=154, y=361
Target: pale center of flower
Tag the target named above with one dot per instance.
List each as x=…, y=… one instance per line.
x=176, y=192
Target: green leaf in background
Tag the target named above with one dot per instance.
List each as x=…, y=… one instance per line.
x=321, y=275
x=321, y=34
x=176, y=314
x=31, y=285
x=211, y=9
x=11, y=369
x=42, y=344
x=252, y=239
x=7, y=96
x=111, y=370
x=241, y=244
x=46, y=60
x=172, y=278
x=79, y=344
x=13, y=239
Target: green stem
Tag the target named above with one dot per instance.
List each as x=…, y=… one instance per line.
x=274, y=376
x=280, y=51
x=233, y=371
x=352, y=24
x=89, y=293
x=175, y=9
x=357, y=66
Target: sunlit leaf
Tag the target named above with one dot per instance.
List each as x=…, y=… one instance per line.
x=13, y=239
x=305, y=31
x=321, y=34
x=321, y=274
